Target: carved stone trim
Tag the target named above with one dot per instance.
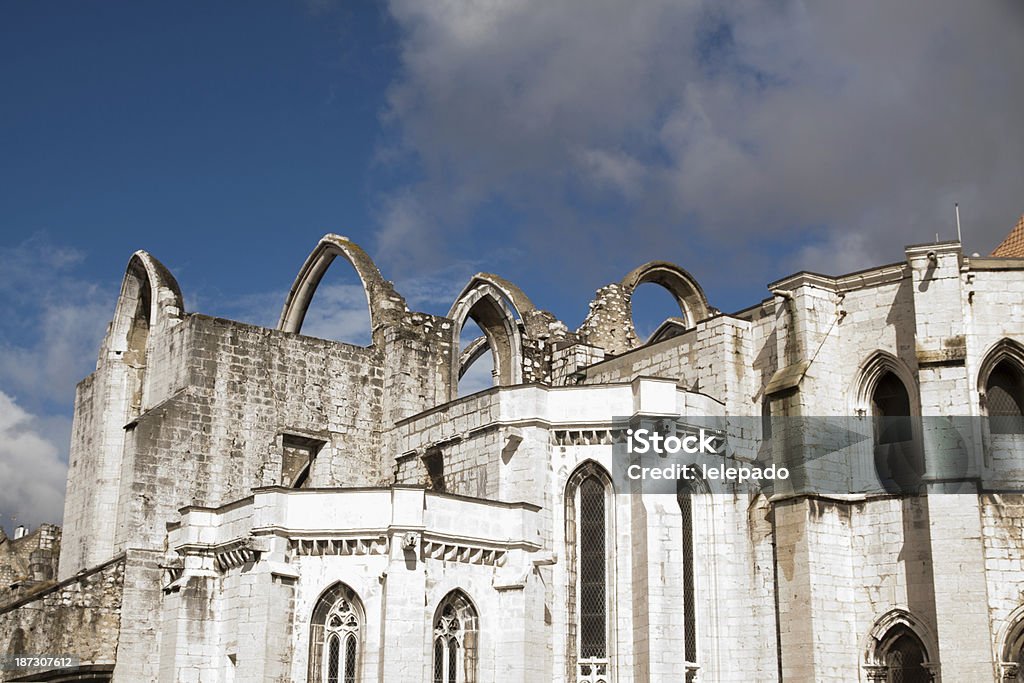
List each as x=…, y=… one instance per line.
x=236, y=557
x=876, y=673
x=466, y=554
x=339, y=546
x=586, y=437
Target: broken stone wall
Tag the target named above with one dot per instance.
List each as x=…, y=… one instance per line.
x=79, y=617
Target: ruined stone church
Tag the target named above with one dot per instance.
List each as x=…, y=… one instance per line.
x=251, y=504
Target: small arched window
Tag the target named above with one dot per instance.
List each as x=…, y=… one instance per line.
x=591, y=558
x=890, y=406
x=335, y=637
x=905, y=658
x=1004, y=398
x=455, y=635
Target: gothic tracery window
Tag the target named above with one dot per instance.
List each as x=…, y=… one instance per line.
x=455, y=635
x=588, y=515
x=335, y=637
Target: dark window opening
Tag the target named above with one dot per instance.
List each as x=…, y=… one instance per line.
x=905, y=661
x=684, y=495
x=766, y=420
x=297, y=455
x=434, y=462
x=890, y=406
x=592, y=571
x=1004, y=399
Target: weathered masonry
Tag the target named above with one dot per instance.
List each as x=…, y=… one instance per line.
x=253, y=504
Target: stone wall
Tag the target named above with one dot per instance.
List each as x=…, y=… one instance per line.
x=79, y=617
x=28, y=562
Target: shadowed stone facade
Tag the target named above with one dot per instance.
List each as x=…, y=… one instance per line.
x=252, y=504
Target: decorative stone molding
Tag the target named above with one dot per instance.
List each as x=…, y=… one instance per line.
x=236, y=557
x=339, y=546
x=1008, y=671
x=466, y=554
x=586, y=437
x=876, y=672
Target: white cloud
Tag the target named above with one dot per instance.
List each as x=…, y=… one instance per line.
x=616, y=170
x=733, y=120
x=55, y=322
x=31, y=467
x=60, y=322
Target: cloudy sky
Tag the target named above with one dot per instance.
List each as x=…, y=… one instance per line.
x=556, y=143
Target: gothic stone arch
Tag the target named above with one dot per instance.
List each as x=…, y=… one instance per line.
x=609, y=324
x=150, y=301
x=385, y=304
x=898, y=464
x=883, y=634
x=150, y=297
x=488, y=306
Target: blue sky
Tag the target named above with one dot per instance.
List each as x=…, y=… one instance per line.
x=557, y=144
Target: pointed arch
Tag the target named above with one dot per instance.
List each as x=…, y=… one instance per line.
x=590, y=563
x=874, y=369
x=490, y=309
x=336, y=636
x=150, y=296
x=384, y=303
x=455, y=646
x=899, y=646
x=885, y=391
x=150, y=299
x=1001, y=386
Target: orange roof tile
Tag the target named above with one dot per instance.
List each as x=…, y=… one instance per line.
x=1013, y=245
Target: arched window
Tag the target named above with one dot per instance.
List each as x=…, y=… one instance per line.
x=890, y=406
x=455, y=636
x=896, y=651
x=1004, y=398
x=591, y=559
x=904, y=657
x=899, y=460
x=684, y=495
x=335, y=637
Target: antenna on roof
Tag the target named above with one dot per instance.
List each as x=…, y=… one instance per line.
x=956, y=206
